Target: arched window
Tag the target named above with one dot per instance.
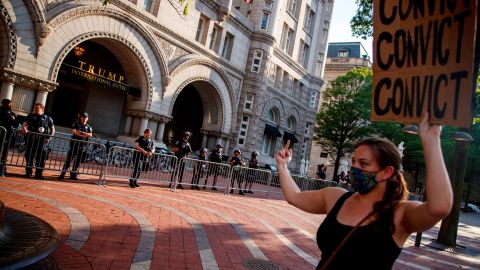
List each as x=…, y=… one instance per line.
x=291, y=123
x=273, y=115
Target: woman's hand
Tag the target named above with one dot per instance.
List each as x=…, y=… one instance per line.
x=284, y=156
x=426, y=130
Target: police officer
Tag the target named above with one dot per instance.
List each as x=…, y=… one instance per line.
x=216, y=157
x=81, y=132
x=145, y=149
x=200, y=168
x=181, y=148
x=35, y=128
x=237, y=160
x=8, y=121
x=252, y=164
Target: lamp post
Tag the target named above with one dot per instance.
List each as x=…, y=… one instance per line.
x=449, y=227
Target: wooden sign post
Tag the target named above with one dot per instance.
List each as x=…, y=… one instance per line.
x=423, y=60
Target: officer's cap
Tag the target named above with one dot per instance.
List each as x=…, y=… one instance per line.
x=187, y=133
x=219, y=146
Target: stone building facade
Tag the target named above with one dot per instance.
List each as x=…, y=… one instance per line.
x=240, y=74
x=341, y=58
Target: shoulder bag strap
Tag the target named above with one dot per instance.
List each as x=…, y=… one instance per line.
x=345, y=240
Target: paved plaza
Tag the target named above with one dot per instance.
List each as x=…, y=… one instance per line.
x=151, y=227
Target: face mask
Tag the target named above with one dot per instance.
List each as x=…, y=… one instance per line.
x=363, y=182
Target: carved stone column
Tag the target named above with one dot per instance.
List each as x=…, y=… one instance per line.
x=7, y=89
x=128, y=126
x=143, y=125
x=160, y=131
x=41, y=97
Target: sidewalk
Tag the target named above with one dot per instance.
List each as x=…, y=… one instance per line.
x=150, y=227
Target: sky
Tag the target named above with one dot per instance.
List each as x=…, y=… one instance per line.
x=343, y=11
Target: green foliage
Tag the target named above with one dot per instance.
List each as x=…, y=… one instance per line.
x=362, y=22
x=344, y=113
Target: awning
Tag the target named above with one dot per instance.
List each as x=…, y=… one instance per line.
x=289, y=136
x=272, y=131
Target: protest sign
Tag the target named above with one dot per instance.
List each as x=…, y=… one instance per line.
x=423, y=60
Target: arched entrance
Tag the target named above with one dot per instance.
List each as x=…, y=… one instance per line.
x=93, y=79
x=197, y=109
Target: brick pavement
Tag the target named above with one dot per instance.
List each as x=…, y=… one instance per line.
x=150, y=227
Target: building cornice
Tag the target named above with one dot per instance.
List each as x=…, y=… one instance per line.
x=150, y=115
x=18, y=78
x=287, y=59
x=264, y=37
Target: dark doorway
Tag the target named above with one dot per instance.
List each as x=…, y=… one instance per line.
x=87, y=80
x=187, y=116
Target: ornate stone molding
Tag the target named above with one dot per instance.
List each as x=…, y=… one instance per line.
x=80, y=39
x=15, y=77
x=216, y=133
x=222, y=13
x=76, y=13
x=11, y=36
x=264, y=37
x=171, y=51
x=150, y=115
x=39, y=23
x=205, y=79
x=274, y=103
x=206, y=62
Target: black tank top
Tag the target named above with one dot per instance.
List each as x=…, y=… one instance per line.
x=367, y=247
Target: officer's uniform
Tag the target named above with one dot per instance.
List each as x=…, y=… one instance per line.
x=199, y=170
x=139, y=158
x=8, y=121
x=35, y=146
x=236, y=161
x=214, y=169
x=183, y=149
x=77, y=150
x=252, y=164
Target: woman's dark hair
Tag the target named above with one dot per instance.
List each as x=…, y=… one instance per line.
x=386, y=155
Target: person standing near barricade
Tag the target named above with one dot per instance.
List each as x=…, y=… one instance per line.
x=253, y=165
x=81, y=132
x=8, y=120
x=199, y=169
x=181, y=149
x=145, y=149
x=368, y=228
x=216, y=157
x=35, y=128
x=236, y=160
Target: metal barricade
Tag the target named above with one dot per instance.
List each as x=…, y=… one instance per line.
x=3, y=147
x=250, y=180
x=202, y=174
x=129, y=163
x=45, y=152
x=317, y=184
x=301, y=181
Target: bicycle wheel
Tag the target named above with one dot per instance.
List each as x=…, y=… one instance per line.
x=121, y=159
x=99, y=156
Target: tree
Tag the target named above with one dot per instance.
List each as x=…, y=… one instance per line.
x=362, y=21
x=344, y=113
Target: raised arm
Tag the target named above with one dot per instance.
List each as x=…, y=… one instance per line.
x=317, y=202
x=421, y=216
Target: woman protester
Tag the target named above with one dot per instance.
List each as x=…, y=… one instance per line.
x=367, y=229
